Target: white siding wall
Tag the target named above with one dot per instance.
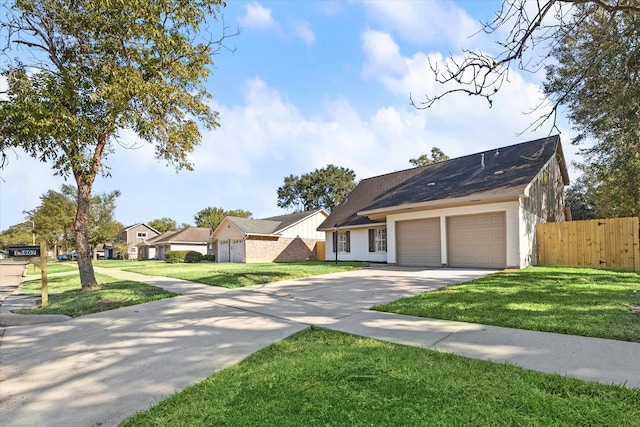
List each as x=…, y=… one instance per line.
x=307, y=229
x=359, y=248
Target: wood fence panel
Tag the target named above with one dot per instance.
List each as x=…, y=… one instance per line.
x=601, y=243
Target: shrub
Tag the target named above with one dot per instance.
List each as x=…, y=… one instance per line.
x=193, y=257
x=175, y=257
x=209, y=258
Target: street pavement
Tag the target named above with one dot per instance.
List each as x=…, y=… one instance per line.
x=99, y=369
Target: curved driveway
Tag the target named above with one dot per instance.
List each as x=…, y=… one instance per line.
x=102, y=368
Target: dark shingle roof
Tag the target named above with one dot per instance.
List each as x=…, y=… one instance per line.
x=517, y=165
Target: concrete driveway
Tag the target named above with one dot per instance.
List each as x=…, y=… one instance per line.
x=100, y=369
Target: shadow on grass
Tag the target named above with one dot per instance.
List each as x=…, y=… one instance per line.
x=584, y=302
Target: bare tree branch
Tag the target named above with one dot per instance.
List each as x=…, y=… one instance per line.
x=483, y=74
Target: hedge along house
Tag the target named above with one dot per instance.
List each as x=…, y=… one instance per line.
x=292, y=237
x=474, y=211
x=189, y=239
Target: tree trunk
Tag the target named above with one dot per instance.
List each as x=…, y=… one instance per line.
x=80, y=226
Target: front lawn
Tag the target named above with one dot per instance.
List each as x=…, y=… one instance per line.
x=52, y=268
x=326, y=378
x=575, y=301
x=73, y=301
x=235, y=275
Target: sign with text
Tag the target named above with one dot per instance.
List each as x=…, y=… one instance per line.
x=26, y=251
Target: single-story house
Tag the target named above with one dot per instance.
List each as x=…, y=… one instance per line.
x=189, y=239
x=292, y=237
x=473, y=211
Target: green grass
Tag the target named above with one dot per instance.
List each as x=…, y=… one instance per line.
x=52, y=268
x=121, y=263
x=325, y=378
x=73, y=301
x=575, y=301
x=235, y=275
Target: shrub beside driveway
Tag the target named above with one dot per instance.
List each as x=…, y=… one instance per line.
x=574, y=301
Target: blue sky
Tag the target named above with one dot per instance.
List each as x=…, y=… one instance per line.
x=311, y=83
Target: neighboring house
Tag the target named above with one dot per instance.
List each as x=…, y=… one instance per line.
x=474, y=211
x=147, y=248
x=189, y=239
x=292, y=237
x=99, y=251
x=133, y=235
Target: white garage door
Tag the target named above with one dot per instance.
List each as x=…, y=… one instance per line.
x=478, y=240
x=237, y=251
x=418, y=243
x=223, y=251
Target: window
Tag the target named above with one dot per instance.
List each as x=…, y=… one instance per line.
x=377, y=240
x=142, y=234
x=344, y=241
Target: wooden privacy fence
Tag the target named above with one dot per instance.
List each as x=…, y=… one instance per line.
x=599, y=243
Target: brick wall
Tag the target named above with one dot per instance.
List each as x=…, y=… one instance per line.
x=283, y=249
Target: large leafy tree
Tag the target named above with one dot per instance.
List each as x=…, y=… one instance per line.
x=580, y=199
x=81, y=71
x=103, y=227
x=212, y=217
x=17, y=234
x=437, y=155
x=54, y=218
x=163, y=224
x=322, y=188
x=603, y=103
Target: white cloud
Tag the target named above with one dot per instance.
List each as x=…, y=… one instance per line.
x=264, y=137
x=424, y=22
x=383, y=55
x=302, y=30
x=258, y=18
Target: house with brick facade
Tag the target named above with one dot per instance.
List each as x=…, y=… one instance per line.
x=292, y=237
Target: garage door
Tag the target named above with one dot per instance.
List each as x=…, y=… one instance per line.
x=477, y=240
x=223, y=251
x=418, y=243
x=237, y=251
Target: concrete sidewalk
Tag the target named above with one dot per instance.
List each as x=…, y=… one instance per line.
x=100, y=369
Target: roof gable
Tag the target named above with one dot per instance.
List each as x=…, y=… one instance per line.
x=268, y=226
x=503, y=170
x=141, y=224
